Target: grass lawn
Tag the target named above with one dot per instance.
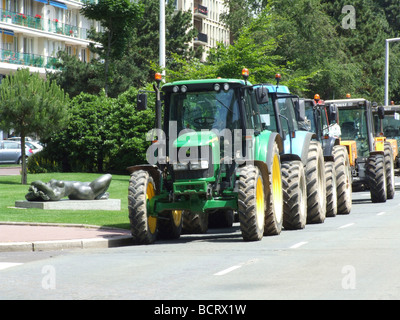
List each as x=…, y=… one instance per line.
x=12, y=190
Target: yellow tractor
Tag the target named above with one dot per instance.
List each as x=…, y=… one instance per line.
x=388, y=129
x=371, y=157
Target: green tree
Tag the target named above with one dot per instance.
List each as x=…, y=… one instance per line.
x=118, y=18
x=31, y=105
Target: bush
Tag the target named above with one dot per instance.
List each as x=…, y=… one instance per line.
x=40, y=163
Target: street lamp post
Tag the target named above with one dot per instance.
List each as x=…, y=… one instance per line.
x=162, y=37
x=388, y=41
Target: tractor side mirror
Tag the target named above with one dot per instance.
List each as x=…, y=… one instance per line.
x=300, y=110
x=381, y=112
x=262, y=95
x=332, y=113
x=141, y=101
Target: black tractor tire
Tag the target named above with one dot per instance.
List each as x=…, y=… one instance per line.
x=376, y=177
x=343, y=179
x=316, y=184
x=170, y=224
x=274, y=214
x=194, y=223
x=251, y=203
x=331, y=189
x=294, y=195
x=389, y=167
x=220, y=219
x=141, y=189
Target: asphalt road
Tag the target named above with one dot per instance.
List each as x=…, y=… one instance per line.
x=347, y=257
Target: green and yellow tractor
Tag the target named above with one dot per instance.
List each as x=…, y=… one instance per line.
x=211, y=156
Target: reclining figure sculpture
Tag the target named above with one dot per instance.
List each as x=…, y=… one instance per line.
x=55, y=190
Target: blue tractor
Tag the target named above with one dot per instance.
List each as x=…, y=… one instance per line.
x=302, y=161
x=323, y=121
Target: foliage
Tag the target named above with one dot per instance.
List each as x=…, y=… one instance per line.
x=103, y=134
x=31, y=105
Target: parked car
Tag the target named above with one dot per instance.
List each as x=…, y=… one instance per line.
x=34, y=146
x=10, y=151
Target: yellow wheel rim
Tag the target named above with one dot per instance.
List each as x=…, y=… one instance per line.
x=277, y=196
x=151, y=221
x=260, y=207
x=177, y=217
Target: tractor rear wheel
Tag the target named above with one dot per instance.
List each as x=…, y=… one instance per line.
x=316, y=184
x=141, y=190
x=195, y=223
x=376, y=177
x=343, y=179
x=331, y=189
x=389, y=167
x=274, y=213
x=170, y=224
x=251, y=203
x=294, y=195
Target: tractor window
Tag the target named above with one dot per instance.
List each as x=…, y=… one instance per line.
x=205, y=110
x=286, y=108
x=267, y=113
x=353, y=124
x=252, y=112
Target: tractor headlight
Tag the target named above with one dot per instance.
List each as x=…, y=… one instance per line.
x=180, y=166
x=199, y=165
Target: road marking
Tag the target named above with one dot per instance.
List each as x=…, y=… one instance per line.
x=381, y=213
x=225, y=271
x=298, y=245
x=5, y=265
x=346, y=226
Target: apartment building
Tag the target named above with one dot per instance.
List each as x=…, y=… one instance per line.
x=206, y=20
x=32, y=31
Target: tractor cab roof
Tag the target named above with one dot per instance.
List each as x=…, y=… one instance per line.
x=203, y=84
x=274, y=88
x=343, y=103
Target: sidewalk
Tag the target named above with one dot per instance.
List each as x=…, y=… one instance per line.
x=16, y=236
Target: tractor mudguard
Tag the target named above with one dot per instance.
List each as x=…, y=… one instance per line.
x=328, y=146
x=154, y=172
x=273, y=138
x=299, y=145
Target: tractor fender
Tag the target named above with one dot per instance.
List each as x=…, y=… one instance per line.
x=299, y=145
x=328, y=147
x=153, y=171
x=273, y=138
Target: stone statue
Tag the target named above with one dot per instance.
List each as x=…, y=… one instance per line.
x=55, y=190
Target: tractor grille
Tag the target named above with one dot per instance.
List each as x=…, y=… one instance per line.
x=197, y=174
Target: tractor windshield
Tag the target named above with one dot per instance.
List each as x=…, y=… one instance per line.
x=205, y=110
x=353, y=125
x=391, y=125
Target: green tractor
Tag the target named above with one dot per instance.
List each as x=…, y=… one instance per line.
x=211, y=157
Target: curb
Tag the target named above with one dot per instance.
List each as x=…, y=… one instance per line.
x=47, y=245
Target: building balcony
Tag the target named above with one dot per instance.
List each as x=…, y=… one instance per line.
x=201, y=39
x=27, y=59
x=38, y=23
x=200, y=11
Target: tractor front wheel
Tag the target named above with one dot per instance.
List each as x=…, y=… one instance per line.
x=251, y=203
x=141, y=190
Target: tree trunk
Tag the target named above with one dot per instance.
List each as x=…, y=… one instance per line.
x=23, y=160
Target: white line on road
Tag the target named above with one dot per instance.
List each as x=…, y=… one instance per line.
x=225, y=271
x=5, y=265
x=381, y=213
x=298, y=245
x=346, y=226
